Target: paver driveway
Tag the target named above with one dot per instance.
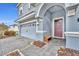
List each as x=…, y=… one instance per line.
x=24, y=44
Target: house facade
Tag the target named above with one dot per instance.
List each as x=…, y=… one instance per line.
x=13, y=27
x=58, y=20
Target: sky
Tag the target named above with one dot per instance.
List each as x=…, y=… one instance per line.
x=8, y=13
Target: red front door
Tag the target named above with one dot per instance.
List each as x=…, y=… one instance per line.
x=58, y=28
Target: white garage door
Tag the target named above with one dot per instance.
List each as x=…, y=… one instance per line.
x=29, y=30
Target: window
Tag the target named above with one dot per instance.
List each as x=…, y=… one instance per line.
x=32, y=5
x=20, y=10
x=77, y=19
x=71, y=12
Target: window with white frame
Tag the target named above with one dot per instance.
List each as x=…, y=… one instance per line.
x=32, y=5
x=71, y=12
x=20, y=10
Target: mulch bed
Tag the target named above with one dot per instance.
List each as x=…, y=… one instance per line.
x=38, y=43
x=67, y=52
x=15, y=53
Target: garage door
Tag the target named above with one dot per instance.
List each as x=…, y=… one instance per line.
x=29, y=30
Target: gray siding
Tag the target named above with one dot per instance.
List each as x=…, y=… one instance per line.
x=25, y=8
x=72, y=42
x=47, y=23
x=72, y=25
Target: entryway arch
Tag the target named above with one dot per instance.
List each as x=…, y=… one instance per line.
x=49, y=12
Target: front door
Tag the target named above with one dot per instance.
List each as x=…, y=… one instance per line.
x=58, y=28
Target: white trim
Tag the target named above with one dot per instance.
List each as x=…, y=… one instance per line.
x=72, y=34
x=40, y=31
x=53, y=26
x=76, y=33
x=20, y=9
x=28, y=22
x=29, y=5
x=39, y=9
x=71, y=12
x=26, y=17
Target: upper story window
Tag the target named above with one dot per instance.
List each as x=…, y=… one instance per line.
x=20, y=12
x=32, y=5
x=20, y=8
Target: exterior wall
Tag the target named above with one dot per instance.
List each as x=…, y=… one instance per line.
x=47, y=22
x=26, y=8
x=72, y=25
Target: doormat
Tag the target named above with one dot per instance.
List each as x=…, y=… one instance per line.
x=38, y=43
x=15, y=53
x=67, y=52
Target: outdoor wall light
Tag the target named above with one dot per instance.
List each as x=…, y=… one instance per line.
x=77, y=19
x=37, y=23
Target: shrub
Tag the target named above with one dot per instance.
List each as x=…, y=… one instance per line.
x=10, y=33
